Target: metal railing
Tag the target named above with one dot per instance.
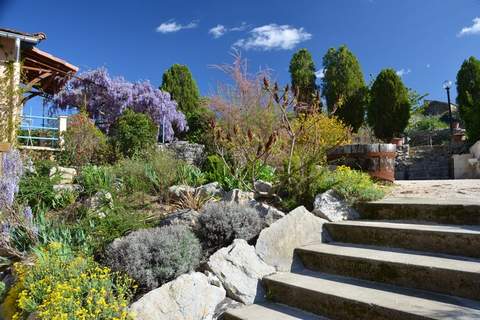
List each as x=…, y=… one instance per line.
x=42, y=133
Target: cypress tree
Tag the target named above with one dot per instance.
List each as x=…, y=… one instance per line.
x=302, y=72
x=468, y=96
x=389, y=108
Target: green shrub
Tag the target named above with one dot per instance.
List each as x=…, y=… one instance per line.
x=36, y=191
x=155, y=256
x=133, y=133
x=94, y=179
x=152, y=174
x=468, y=96
x=84, y=143
x=216, y=171
x=425, y=123
x=353, y=185
x=62, y=285
x=190, y=175
x=221, y=223
x=2, y=290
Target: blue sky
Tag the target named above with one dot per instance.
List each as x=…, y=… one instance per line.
x=422, y=39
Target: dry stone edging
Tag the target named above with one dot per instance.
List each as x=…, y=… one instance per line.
x=240, y=271
x=276, y=244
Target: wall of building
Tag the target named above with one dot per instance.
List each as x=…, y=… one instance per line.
x=423, y=163
x=10, y=106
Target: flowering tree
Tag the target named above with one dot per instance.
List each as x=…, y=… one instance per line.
x=106, y=98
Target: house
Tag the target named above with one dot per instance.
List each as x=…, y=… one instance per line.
x=26, y=72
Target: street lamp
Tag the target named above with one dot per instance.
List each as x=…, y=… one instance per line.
x=447, y=85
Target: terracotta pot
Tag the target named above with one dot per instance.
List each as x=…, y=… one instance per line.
x=456, y=125
x=397, y=141
x=458, y=137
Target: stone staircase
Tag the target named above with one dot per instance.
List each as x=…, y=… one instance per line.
x=413, y=269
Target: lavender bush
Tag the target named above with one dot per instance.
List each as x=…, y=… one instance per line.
x=106, y=98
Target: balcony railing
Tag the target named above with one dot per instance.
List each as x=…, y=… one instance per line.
x=42, y=133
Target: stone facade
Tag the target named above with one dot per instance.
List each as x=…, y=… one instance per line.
x=423, y=163
x=192, y=153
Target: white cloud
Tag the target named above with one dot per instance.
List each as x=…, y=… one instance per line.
x=473, y=29
x=320, y=74
x=403, y=72
x=218, y=31
x=428, y=65
x=172, y=26
x=273, y=36
x=221, y=30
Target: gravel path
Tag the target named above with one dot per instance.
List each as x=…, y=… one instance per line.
x=441, y=190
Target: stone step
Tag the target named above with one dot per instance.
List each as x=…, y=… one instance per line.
x=347, y=298
x=457, y=212
x=440, y=239
x=443, y=274
x=269, y=311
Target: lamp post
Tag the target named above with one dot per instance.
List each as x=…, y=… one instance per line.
x=447, y=85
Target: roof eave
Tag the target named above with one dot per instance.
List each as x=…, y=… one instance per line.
x=25, y=38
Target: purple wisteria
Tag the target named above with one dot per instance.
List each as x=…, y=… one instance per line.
x=106, y=98
x=10, y=178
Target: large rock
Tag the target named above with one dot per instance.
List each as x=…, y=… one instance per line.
x=263, y=188
x=240, y=270
x=276, y=244
x=191, y=153
x=239, y=196
x=186, y=217
x=189, y=297
x=268, y=213
x=331, y=206
x=66, y=175
x=210, y=190
x=227, y=304
x=177, y=192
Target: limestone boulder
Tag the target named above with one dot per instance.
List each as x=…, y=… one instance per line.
x=177, y=192
x=65, y=175
x=186, y=217
x=331, y=206
x=240, y=271
x=268, y=213
x=276, y=244
x=212, y=189
x=189, y=297
x=239, y=196
x=263, y=188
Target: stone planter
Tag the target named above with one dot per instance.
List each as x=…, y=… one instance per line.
x=376, y=159
x=397, y=141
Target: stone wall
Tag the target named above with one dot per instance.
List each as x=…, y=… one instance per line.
x=423, y=163
x=189, y=152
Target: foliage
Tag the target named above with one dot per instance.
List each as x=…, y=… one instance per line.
x=217, y=171
x=105, y=99
x=36, y=190
x=222, y=222
x=62, y=285
x=133, y=133
x=103, y=230
x=10, y=102
x=190, y=175
x=152, y=174
x=84, y=143
x=194, y=200
x=389, y=108
x=2, y=290
x=179, y=82
x=468, y=98
x=247, y=123
x=344, y=87
x=420, y=122
x=302, y=71
x=94, y=178
x=353, y=185
x=155, y=256
x=10, y=177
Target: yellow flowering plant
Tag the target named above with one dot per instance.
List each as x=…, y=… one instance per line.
x=60, y=285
